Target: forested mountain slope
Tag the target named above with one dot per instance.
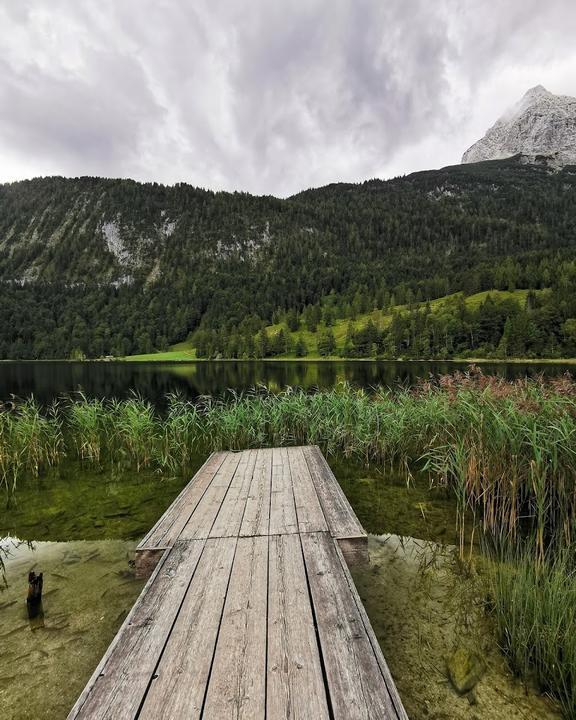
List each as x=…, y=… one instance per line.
x=97, y=267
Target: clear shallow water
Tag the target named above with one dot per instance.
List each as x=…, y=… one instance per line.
x=81, y=526
x=88, y=589
x=48, y=380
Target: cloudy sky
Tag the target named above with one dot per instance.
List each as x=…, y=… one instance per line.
x=262, y=95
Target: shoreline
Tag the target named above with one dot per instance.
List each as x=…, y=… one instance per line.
x=192, y=361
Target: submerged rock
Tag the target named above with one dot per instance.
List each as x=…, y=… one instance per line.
x=465, y=669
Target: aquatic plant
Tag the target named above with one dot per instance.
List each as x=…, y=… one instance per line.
x=534, y=607
x=30, y=441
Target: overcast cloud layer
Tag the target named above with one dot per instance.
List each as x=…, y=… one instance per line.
x=265, y=96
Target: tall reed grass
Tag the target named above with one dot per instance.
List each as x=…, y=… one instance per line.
x=506, y=449
x=535, y=612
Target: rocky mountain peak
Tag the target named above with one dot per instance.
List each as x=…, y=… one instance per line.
x=540, y=124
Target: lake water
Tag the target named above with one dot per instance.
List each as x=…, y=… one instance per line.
x=48, y=380
x=79, y=525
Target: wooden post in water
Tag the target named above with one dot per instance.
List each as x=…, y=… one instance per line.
x=34, y=599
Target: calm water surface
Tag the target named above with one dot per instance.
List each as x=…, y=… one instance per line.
x=48, y=380
x=79, y=525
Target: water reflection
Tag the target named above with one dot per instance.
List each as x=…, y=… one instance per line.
x=49, y=380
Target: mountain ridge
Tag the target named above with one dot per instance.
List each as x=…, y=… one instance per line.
x=99, y=267
x=540, y=125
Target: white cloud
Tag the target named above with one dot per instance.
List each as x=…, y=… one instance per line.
x=266, y=97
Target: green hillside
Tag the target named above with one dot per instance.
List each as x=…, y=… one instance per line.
x=340, y=327
x=93, y=267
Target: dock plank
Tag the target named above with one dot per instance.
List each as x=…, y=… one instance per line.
x=282, y=506
x=178, y=687
x=237, y=686
x=256, y=518
x=386, y=674
x=296, y=688
x=169, y=526
x=200, y=523
x=308, y=508
x=229, y=518
x=341, y=518
x=120, y=681
x=355, y=684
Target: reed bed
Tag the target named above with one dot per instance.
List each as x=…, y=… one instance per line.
x=506, y=449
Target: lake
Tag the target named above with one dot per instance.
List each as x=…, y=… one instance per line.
x=49, y=380
x=79, y=523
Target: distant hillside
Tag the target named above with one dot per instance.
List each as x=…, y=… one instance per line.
x=496, y=324
x=93, y=267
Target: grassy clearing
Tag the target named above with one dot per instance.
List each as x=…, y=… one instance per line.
x=185, y=351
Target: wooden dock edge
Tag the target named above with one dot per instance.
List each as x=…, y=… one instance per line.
x=354, y=549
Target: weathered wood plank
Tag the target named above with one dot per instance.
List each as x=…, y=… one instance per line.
x=390, y=684
x=355, y=683
x=256, y=518
x=179, y=683
x=237, y=683
x=296, y=688
x=120, y=681
x=229, y=518
x=282, y=507
x=200, y=522
x=341, y=518
x=308, y=508
x=166, y=531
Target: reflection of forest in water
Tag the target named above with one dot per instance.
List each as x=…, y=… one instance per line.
x=49, y=380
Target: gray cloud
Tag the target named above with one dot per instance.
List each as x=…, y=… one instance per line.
x=262, y=96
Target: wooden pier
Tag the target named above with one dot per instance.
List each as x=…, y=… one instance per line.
x=250, y=612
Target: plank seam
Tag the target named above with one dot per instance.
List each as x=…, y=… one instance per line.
x=377, y=650
x=317, y=633
x=187, y=487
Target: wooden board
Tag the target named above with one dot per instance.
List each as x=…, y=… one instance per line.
x=178, y=686
x=229, y=518
x=202, y=519
x=282, y=506
x=296, y=688
x=120, y=681
x=355, y=683
x=308, y=508
x=237, y=686
x=257, y=511
x=169, y=526
x=340, y=516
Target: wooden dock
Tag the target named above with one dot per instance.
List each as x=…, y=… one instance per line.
x=250, y=612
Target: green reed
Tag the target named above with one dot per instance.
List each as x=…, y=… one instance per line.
x=30, y=442
x=535, y=613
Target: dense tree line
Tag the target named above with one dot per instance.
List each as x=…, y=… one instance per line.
x=92, y=267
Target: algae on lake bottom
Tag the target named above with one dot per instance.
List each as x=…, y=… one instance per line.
x=422, y=608
x=88, y=589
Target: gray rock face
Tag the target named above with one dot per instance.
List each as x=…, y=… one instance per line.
x=541, y=124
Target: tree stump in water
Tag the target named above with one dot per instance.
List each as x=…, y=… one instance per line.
x=34, y=599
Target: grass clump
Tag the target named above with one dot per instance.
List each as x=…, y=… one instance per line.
x=535, y=613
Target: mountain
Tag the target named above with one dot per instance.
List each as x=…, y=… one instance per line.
x=540, y=125
x=94, y=267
